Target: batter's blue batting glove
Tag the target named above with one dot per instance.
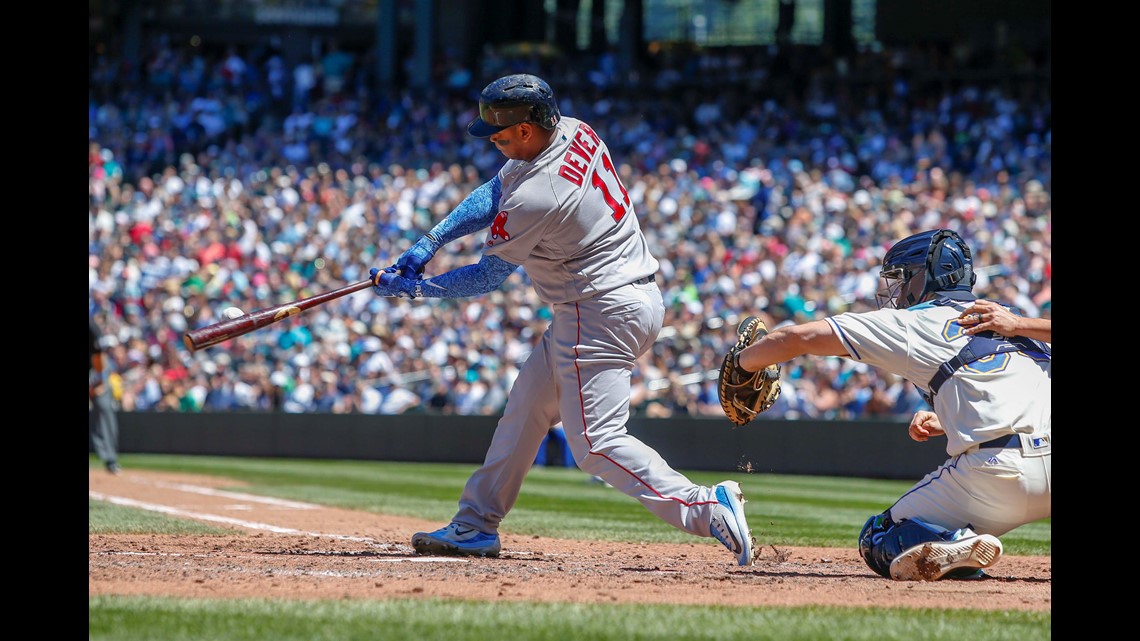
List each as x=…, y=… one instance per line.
x=411, y=263
x=389, y=283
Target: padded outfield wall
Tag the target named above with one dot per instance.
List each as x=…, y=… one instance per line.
x=831, y=448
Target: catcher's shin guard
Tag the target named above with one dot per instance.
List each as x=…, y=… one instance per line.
x=881, y=539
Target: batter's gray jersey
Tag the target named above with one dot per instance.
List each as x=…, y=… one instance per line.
x=990, y=397
x=567, y=219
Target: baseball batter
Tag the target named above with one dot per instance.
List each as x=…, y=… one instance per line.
x=558, y=208
x=991, y=396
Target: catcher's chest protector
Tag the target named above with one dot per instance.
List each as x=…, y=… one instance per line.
x=981, y=345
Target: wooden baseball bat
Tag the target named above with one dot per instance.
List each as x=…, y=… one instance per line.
x=222, y=331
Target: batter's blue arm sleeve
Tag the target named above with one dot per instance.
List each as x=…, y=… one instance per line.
x=477, y=211
x=469, y=280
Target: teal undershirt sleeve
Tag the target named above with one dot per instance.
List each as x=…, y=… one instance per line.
x=470, y=280
x=477, y=211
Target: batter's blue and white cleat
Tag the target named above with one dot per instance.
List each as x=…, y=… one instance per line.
x=728, y=523
x=456, y=539
x=932, y=561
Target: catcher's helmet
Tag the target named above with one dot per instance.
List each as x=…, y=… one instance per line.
x=920, y=266
x=513, y=99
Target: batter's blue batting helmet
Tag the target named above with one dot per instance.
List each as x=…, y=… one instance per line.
x=513, y=99
x=920, y=266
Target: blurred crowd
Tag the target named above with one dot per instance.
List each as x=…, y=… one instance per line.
x=770, y=184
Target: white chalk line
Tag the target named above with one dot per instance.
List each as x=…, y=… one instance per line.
x=252, y=525
x=173, y=511
x=415, y=559
x=427, y=559
x=241, y=496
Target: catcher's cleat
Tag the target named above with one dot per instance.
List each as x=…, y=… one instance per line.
x=729, y=525
x=456, y=539
x=932, y=561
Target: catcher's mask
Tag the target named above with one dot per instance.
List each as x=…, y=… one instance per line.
x=922, y=265
x=513, y=99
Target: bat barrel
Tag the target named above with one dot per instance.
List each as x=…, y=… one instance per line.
x=210, y=335
x=223, y=331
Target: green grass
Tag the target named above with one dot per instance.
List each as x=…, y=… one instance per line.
x=105, y=518
x=558, y=502
x=145, y=618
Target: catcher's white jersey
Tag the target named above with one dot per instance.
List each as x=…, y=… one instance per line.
x=990, y=397
x=992, y=490
x=567, y=219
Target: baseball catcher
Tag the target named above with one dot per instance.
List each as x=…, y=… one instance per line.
x=989, y=397
x=744, y=394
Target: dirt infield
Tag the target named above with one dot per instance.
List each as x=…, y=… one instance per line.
x=300, y=551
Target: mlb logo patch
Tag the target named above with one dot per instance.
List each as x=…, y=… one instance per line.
x=1038, y=442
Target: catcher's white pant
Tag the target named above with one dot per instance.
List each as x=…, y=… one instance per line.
x=579, y=373
x=992, y=490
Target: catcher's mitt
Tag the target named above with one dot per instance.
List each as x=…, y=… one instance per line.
x=744, y=394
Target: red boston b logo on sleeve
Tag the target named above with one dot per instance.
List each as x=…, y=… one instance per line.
x=499, y=229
